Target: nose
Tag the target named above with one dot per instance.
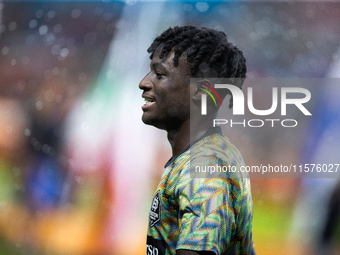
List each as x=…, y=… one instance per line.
x=145, y=83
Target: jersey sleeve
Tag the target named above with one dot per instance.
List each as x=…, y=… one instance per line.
x=207, y=211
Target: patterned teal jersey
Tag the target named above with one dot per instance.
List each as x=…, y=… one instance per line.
x=202, y=214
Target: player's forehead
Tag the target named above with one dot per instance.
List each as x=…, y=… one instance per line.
x=168, y=60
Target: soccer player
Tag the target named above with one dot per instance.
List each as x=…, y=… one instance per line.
x=190, y=215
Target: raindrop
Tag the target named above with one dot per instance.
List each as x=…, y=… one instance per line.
x=49, y=95
x=16, y=171
x=51, y=14
x=46, y=149
x=268, y=54
x=335, y=56
x=310, y=45
x=9, y=129
x=43, y=30
x=321, y=6
x=52, y=151
x=79, y=179
x=33, y=23
x=86, y=106
x=27, y=132
x=131, y=2
x=173, y=16
x=39, y=14
x=202, y=6
x=75, y=13
x=58, y=98
x=57, y=28
x=50, y=39
x=310, y=14
x=55, y=71
x=64, y=52
x=188, y=7
x=55, y=50
x=120, y=24
x=254, y=36
x=173, y=111
x=26, y=60
x=292, y=20
x=98, y=11
x=36, y=144
x=293, y=32
x=13, y=62
x=38, y=105
x=48, y=74
x=262, y=27
x=12, y=26
x=30, y=39
x=20, y=87
x=5, y=50
x=219, y=27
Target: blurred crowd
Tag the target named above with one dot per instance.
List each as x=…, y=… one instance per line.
x=50, y=55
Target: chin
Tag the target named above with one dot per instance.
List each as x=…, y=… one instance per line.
x=148, y=121
x=155, y=123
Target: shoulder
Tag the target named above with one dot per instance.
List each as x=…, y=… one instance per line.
x=213, y=157
x=216, y=154
x=219, y=146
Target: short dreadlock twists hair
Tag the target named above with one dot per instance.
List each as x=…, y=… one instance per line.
x=208, y=52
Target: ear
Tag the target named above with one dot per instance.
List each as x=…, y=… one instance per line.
x=199, y=88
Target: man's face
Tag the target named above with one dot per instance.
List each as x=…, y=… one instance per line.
x=166, y=92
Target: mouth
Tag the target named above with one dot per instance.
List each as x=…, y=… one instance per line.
x=149, y=101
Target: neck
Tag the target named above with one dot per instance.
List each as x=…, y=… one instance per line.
x=180, y=138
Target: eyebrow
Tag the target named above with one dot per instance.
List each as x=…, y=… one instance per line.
x=157, y=64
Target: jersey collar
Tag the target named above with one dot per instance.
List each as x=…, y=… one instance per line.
x=211, y=131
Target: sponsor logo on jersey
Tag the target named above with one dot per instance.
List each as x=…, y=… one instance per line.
x=155, y=211
x=150, y=250
x=155, y=246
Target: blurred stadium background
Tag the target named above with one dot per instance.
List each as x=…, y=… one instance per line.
x=78, y=168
